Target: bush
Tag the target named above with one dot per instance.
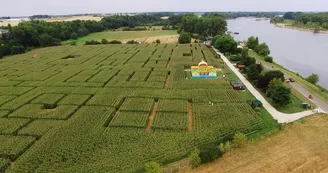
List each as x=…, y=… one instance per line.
x=158, y=41
x=184, y=38
x=74, y=36
x=153, y=167
x=73, y=43
x=239, y=139
x=210, y=153
x=92, y=42
x=17, y=50
x=268, y=59
x=225, y=43
x=115, y=42
x=313, y=78
x=104, y=41
x=132, y=42
x=134, y=29
x=194, y=158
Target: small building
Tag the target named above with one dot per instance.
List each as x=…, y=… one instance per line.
x=241, y=67
x=238, y=85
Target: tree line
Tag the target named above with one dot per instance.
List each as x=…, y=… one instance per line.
x=308, y=19
x=33, y=34
x=234, y=15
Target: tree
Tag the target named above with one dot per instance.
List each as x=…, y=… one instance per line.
x=17, y=50
x=104, y=41
x=239, y=139
x=275, y=74
x=262, y=49
x=263, y=82
x=226, y=43
x=313, y=78
x=153, y=167
x=273, y=85
x=194, y=158
x=268, y=59
x=74, y=36
x=158, y=41
x=281, y=96
x=253, y=72
x=252, y=42
x=184, y=38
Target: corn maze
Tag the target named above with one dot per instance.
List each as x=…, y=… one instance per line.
x=86, y=108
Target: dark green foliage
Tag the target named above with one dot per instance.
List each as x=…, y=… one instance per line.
x=114, y=42
x=253, y=72
x=252, y=42
x=132, y=42
x=262, y=49
x=268, y=59
x=209, y=153
x=275, y=74
x=74, y=36
x=226, y=43
x=281, y=96
x=184, y=38
x=277, y=19
x=135, y=29
x=92, y=42
x=233, y=15
x=17, y=49
x=104, y=41
x=313, y=78
x=263, y=82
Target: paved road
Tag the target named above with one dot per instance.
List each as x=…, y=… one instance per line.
x=303, y=91
x=280, y=117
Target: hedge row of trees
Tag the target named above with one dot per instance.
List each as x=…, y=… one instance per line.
x=309, y=19
x=32, y=34
x=233, y=15
x=205, y=26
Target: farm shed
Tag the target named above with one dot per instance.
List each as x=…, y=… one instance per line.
x=237, y=85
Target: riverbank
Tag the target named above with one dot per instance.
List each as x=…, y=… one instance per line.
x=318, y=92
x=282, y=25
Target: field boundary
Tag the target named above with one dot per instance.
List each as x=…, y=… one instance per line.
x=190, y=117
x=152, y=115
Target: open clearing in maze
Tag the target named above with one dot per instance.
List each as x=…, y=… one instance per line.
x=86, y=108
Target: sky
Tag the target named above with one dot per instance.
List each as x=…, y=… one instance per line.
x=61, y=7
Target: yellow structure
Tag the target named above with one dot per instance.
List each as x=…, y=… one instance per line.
x=203, y=71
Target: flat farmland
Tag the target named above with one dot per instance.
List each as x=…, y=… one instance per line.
x=167, y=36
x=112, y=108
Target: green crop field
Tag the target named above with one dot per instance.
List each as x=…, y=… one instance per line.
x=91, y=112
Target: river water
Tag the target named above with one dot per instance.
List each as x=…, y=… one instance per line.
x=300, y=51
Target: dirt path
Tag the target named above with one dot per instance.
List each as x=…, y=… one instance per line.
x=190, y=129
x=168, y=64
x=166, y=85
x=151, y=118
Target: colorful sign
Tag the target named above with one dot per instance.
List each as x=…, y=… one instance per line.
x=203, y=71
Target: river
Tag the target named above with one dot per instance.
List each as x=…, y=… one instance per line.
x=300, y=51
